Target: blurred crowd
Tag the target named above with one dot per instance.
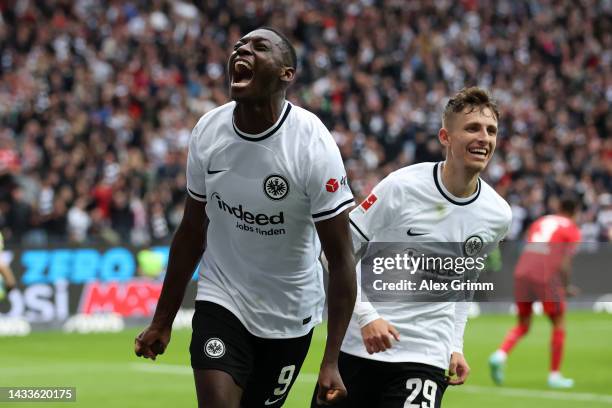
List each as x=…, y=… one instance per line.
x=98, y=99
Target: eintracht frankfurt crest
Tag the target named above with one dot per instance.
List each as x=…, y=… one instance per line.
x=472, y=245
x=214, y=348
x=276, y=187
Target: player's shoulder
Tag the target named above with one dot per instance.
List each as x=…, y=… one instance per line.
x=559, y=220
x=413, y=177
x=219, y=115
x=419, y=169
x=309, y=128
x=406, y=184
x=495, y=202
x=304, y=116
x=567, y=224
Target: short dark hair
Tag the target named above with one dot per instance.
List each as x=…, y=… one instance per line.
x=473, y=98
x=289, y=49
x=568, y=205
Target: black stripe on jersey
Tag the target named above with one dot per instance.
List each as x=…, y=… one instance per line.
x=269, y=133
x=324, y=213
x=197, y=195
x=435, y=176
x=358, y=230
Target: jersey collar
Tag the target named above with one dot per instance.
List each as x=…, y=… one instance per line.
x=266, y=133
x=437, y=175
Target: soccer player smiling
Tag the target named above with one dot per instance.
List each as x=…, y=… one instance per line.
x=395, y=353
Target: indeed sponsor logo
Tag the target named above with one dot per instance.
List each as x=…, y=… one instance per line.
x=247, y=216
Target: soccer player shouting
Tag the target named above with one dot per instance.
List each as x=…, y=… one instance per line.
x=265, y=182
x=542, y=273
x=395, y=353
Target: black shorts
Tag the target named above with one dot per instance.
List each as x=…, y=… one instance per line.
x=265, y=369
x=377, y=384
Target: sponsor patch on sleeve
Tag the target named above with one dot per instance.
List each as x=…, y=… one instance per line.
x=369, y=201
x=332, y=185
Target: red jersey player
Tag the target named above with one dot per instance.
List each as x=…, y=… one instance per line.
x=542, y=273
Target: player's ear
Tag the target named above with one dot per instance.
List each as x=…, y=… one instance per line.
x=287, y=74
x=444, y=137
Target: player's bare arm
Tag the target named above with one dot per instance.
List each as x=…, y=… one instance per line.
x=5, y=270
x=9, y=278
x=565, y=271
x=336, y=242
x=185, y=251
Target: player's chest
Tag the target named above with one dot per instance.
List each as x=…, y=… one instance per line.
x=443, y=223
x=252, y=176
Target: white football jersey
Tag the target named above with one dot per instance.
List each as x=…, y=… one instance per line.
x=264, y=193
x=412, y=205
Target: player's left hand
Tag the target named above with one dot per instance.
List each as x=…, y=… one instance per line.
x=331, y=386
x=458, y=368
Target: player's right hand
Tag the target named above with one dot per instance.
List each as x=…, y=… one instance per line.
x=152, y=341
x=378, y=335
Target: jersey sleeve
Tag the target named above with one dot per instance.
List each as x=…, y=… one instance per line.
x=372, y=215
x=327, y=186
x=364, y=310
x=461, y=315
x=196, y=171
x=366, y=220
x=504, y=227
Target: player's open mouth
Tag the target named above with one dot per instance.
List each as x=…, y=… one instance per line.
x=242, y=74
x=479, y=151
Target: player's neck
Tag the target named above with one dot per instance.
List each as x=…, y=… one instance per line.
x=257, y=117
x=458, y=180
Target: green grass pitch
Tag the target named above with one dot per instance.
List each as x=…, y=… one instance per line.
x=106, y=373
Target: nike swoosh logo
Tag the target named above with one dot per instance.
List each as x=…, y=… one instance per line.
x=268, y=402
x=209, y=171
x=415, y=234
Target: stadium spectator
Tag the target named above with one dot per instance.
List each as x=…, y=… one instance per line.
x=98, y=97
